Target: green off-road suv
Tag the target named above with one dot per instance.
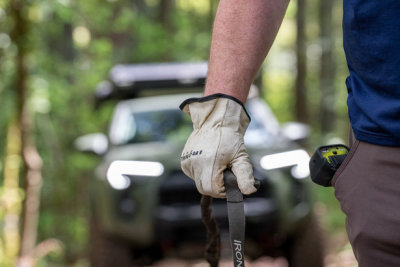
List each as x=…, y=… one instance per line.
x=144, y=207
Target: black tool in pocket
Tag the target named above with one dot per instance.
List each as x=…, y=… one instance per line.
x=325, y=162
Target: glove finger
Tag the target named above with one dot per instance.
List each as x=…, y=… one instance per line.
x=199, y=186
x=206, y=182
x=212, y=184
x=219, y=193
x=243, y=171
x=189, y=170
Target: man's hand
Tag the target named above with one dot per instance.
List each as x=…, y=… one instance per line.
x=216, y=143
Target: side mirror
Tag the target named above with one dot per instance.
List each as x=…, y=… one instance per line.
x=296, y=131
x=96, y=143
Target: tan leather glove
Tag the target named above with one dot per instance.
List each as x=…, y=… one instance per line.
x=216, y=143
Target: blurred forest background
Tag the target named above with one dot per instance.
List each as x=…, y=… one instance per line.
x=54, y=52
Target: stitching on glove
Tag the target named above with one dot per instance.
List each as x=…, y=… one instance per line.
x=238, y=146
x=209, y=114
x=219, y=129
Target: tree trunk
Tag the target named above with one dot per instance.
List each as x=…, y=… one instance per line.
x=32, y=162
x=11, y=197
x=301, y=113
x=165, y=11
x=327, y=67
x=33, y=183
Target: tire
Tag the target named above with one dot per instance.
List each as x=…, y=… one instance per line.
x=306, y=246
x=106, y=251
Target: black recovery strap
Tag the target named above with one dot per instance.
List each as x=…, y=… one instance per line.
x=236, y=217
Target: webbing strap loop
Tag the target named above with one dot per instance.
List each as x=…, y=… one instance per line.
x=213, y=243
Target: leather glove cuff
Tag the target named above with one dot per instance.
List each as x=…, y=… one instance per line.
x=183, y=106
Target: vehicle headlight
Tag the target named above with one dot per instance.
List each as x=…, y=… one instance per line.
x=299, y=159
x=119, y=170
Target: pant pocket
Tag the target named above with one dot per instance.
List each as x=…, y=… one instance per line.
x=345, y=163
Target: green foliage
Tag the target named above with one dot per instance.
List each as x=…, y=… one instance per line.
x=332, y=216
x=73, y=44
x=280, y=73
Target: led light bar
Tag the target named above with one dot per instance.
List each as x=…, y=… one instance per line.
x=299, y=159
x=119, y=169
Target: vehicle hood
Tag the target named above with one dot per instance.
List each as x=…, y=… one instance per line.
x=167, y=153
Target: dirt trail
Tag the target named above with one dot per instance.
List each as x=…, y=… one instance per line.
x=262, y=262
x=339, y=254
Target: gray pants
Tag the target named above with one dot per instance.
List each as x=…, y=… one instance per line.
x=367, y=186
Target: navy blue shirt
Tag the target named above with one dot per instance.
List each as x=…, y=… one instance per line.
x=371, y=33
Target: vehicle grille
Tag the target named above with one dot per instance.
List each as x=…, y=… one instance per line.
x=178, y=189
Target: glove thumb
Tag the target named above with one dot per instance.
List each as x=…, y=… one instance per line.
x=243, y=170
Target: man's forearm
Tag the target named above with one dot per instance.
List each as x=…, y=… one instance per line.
x=243, y=33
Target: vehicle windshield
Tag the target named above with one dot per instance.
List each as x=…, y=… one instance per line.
x=173, y=125
x=158, y=126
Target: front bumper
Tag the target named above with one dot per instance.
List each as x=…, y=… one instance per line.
x=183, y=222
x=168, y=209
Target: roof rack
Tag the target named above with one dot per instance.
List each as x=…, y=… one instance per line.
x=133, y=80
